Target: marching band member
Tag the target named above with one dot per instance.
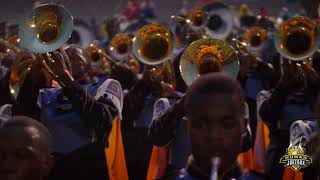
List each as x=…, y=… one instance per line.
x=25, y=149
x=214, y=133
x=99, y=113
x=292, y=99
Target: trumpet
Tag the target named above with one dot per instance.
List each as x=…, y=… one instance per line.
x=208, y=55
x=297, y=38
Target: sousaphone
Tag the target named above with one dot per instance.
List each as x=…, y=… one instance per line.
x=153, y=44
x=208, y=55
x=297, y=38
x=220, y=20
x=46, y=28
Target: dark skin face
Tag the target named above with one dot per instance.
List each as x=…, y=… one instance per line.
x=216, y=122
x=21, y=156
x=78, y=67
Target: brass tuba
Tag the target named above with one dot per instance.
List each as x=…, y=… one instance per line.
x=153, y=44
x=220, y=20
x=297, y=38
x=46, y=28
x=208, y=55
x=120, y=47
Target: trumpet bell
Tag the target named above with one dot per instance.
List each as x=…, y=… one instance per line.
x=46, y=28
x=220, y=20
x=297, y=38
x=208, y=55
x=120, y=47
x=153, y=44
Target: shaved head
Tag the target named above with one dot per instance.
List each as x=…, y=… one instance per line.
x=216, y=83
x=214, y=107
x=25, y=152
x=37, y=130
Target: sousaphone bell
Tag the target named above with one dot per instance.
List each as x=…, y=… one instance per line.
x=208, y=55
x=46, y=28
x=297, y=38
x=220, y=20
x=153, y=44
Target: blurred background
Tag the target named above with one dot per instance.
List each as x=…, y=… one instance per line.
x=14, y=10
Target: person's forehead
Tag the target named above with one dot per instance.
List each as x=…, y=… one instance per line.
x=219, y=105
x=216, y=99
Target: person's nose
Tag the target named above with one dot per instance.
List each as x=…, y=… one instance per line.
x=214, y=134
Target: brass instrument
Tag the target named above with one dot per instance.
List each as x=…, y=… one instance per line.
x=244, y=49
x=220, y=20
x=208, y=55
x=120, y=47
x=134, y=64
x=255, y=38
x=46, y=29
x=97, y=58
x=153, y=44
x=197, y=18
x=190, y=28
x=297, y=38
x=11, y=45
x=165, y=72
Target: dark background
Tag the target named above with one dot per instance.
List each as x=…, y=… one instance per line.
x=14, y=10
